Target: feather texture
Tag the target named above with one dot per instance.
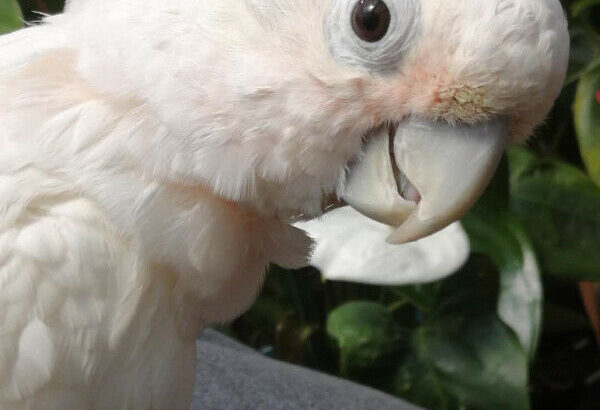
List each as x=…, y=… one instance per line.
x=107, y=277
x=151, y=154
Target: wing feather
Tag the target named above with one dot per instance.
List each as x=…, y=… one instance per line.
x=59, y=265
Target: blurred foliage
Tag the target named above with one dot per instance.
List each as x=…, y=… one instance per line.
x=587, y=121
x=497, y=233
x=456, y=355
x=10, y=16
x=560, y=205
x=474, y=340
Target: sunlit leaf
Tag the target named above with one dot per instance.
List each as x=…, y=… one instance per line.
x=351, y=247
x=587, y=122
x=10, y=16
x=495, y=232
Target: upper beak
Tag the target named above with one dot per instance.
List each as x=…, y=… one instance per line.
x=422, y=176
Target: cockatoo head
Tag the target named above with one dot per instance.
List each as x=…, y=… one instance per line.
x=401, y=107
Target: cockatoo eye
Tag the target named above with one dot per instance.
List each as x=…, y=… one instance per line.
x=372, y=35
x=371, y=20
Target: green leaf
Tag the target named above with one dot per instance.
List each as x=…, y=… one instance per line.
x=520, y=301
x=10, y=16
x=560, y=206
x=497, y=233
x=587, y=122
x=478, y=365
x=368, y=341
x=464, y=357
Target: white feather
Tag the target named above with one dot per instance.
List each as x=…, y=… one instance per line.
x=151, y=153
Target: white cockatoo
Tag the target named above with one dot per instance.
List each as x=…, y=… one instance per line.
x=153, y=153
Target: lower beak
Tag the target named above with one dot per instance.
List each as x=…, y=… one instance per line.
x=422, y=176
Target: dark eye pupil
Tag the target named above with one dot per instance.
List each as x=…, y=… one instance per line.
x=370, y=20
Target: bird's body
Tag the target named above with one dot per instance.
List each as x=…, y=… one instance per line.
x=117, y=333
x=152, y=153
x=79, y=337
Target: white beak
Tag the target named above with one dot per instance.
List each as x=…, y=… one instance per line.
x=423, y=176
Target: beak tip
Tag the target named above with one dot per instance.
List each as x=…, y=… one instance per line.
x=394, y=241
x=415, y=228
x=411, y=230
x=399, y=237
x=449, y=165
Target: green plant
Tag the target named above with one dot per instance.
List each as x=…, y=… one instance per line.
x=10, y=16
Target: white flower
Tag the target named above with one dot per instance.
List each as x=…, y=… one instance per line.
x=351, y=247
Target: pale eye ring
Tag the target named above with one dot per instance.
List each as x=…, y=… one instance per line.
x=372, y=35
x=371, y=20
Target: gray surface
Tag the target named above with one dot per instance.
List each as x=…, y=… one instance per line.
x=232, y=376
